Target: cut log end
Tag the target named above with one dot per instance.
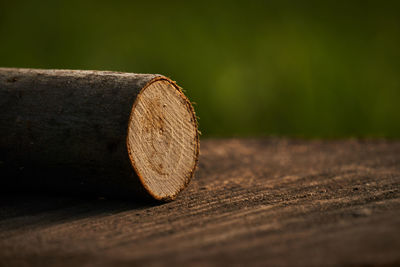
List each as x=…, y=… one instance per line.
x=162, y=139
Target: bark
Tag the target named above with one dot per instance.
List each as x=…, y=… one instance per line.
x=66, y=130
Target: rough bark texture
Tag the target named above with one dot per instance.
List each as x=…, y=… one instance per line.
x=66, y=130
x=265, y=202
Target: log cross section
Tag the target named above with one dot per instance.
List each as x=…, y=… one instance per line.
x=111, y=133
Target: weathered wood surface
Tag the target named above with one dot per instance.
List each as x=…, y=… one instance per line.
x=252, y=202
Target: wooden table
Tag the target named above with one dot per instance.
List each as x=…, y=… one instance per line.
x=252, y=201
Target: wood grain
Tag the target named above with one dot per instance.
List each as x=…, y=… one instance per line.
x=275, y=202
x=98, y=132
x=162, y=139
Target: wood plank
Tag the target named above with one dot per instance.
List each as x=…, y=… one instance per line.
x=252, y=201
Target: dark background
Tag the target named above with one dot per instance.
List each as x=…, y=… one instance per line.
x=294, y=68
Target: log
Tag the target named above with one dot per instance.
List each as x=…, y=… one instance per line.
x=108, y=133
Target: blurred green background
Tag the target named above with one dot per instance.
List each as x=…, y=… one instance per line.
x=293, y=68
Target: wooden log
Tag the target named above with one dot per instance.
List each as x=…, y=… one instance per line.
x=110, y=133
